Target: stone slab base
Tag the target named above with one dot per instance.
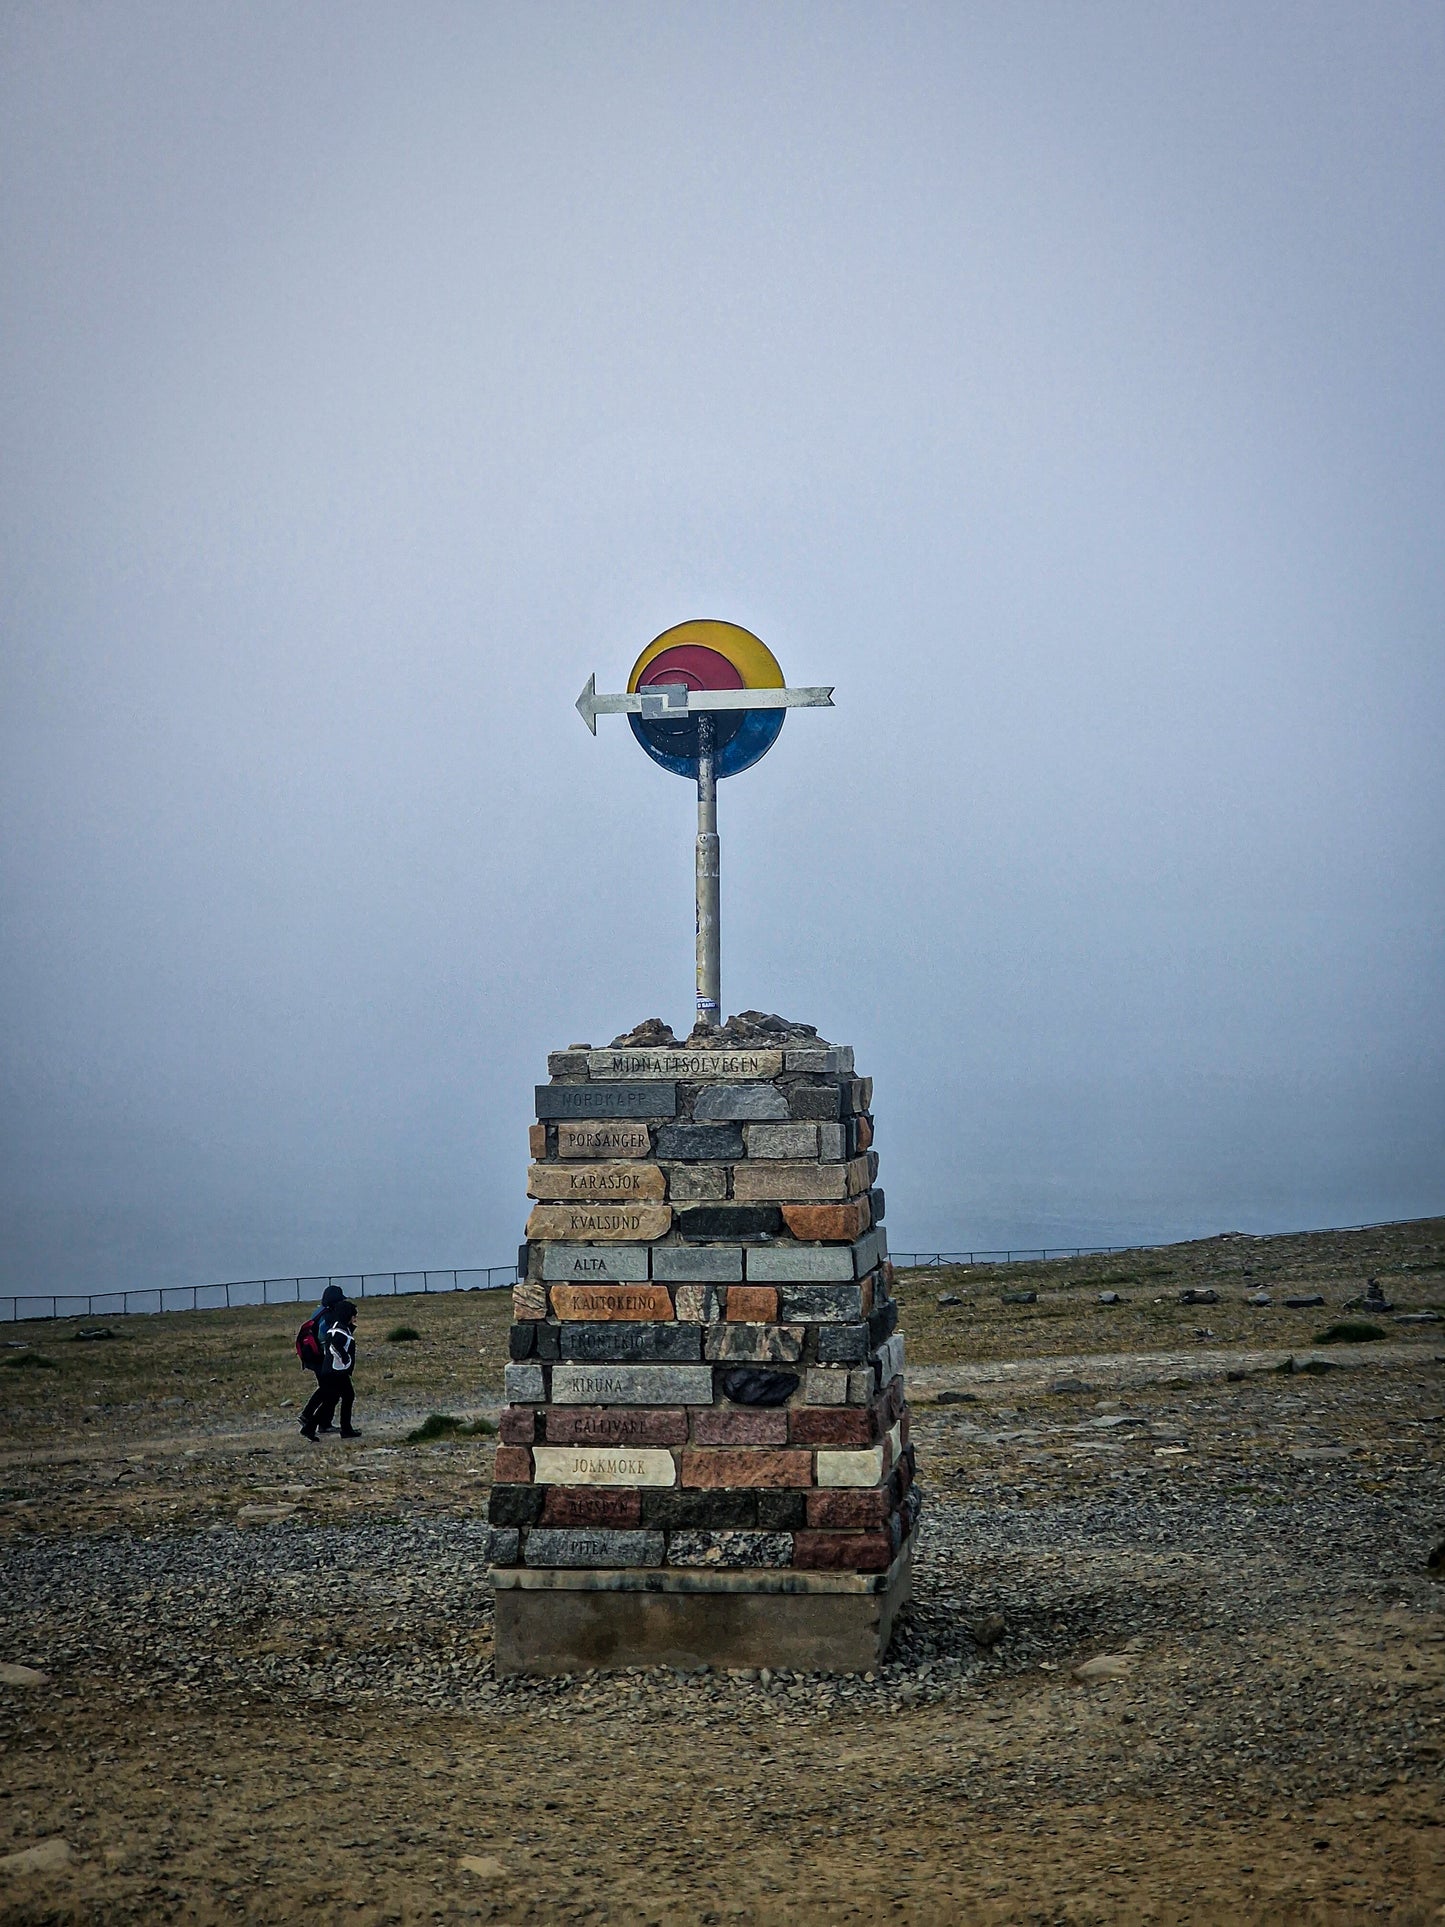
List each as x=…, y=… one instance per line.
x=808, y=1622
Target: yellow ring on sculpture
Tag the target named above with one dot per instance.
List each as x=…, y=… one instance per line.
x=748, y=654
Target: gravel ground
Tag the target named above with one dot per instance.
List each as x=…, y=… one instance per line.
x=270, y=1687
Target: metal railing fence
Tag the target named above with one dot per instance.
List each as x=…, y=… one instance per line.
x=250, y=1291
x=918, y=1260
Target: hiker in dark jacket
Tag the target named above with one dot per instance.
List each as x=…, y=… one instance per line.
x=323, y=1397
x=336, y=1377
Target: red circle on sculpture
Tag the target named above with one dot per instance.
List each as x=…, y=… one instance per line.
x=693, y=666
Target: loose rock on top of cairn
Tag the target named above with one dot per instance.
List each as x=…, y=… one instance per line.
x=704, y=1457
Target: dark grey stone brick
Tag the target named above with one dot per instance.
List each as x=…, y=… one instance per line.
x=673, y=1344
x=723, y=1143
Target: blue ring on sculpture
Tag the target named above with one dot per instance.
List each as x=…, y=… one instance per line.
x=759, y=730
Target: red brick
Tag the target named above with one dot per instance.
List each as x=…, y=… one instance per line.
x=831, y=1425
x=580, y=1505
x=866, y=1292
x=865, y=1132
x=602, y=1425
x=904, y=1426
x=518, y=1424
x=513, y=1466
x=850, y=1508
x=744, y=1468
x=734, y=1425
x=893, y=1399
x=753, y=1304
x=537, y=1140
x=843, y=1551
x=828, y=1223
x=904, y=1470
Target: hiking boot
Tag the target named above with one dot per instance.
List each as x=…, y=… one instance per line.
x=326, y=1428
x=309, y=1432
x=351, y=1432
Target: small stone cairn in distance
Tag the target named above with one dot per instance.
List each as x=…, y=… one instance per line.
x=704, y=1454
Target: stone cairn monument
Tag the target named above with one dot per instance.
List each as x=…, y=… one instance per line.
x=704, y=1454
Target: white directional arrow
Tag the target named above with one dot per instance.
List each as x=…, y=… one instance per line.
x=670, y=701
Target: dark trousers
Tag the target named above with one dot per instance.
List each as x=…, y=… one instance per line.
x=332, y=1388
x=337, y=1389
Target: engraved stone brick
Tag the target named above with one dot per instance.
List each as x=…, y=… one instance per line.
x=567, y=1265
x=630, y=1384
x=723, y=1221
x=606, y=1181
x=672, y=1342
x=698, y=1264
x=698, y=1304
x=692, y=1065
x=825, y=1425
x=746, y=1466
x=537, y=1140
x=597, y=1546
x=819, y=1304
x=596, y=1425
x=780, y=1510
x=612, y=1302
x=711, y=1511
x=604, y=1465
x=504, y=1546
x=827, y=1223
x=787, y=1264
x=600, y=1139
x=864, y=1467
x=769, y=1179
x=512, y=1466
x=529, y=1299
x=842, y=1551
x=603, y=1221
x=826, y=1385
x=514, y=1505
x=517, y=1424
x=730, y=1549
x=752, y=1304
x=525, y=1384
x=740, y=1425
x=843, y=1344
x=782, y=1140
x=827, y=1060
x=755, y=1344
x=832, y=1141
x=820, y=1101
x=721, y=1143
x=696, y=1183
x=842, y=1509
x=597, y=1102
x=734, y=1103
x=580, y=1505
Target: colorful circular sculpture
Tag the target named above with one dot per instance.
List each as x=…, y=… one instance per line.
x=708, y=655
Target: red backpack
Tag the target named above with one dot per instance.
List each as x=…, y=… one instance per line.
x=308, y=1346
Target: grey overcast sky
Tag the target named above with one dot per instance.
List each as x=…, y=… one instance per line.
x=1064, y=383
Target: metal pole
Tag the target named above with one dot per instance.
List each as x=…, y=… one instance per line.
x=709, y=945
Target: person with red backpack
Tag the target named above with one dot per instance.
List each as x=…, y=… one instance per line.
x=311, y=1350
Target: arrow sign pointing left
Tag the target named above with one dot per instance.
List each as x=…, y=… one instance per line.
x=670, y=701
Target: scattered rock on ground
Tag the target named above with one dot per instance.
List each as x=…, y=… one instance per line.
x=50, y=1856
x=12, y=1675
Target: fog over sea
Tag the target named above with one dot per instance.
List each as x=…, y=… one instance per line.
x=1062, y=384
